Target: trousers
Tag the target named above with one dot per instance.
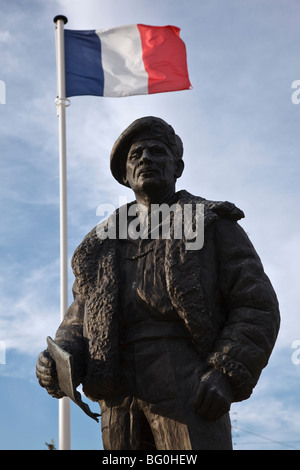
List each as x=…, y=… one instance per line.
x=156, y=408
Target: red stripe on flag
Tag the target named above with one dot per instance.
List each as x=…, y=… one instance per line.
x=164, y=56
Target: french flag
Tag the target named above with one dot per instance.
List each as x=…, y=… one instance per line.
x=126, y=60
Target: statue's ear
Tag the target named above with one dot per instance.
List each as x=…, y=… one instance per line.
x=179, y=168
x=124, y=178
x=125, y=182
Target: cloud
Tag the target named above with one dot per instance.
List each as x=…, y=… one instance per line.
x=5, y=36
x=29, y=306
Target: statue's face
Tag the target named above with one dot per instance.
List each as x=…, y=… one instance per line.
x=150, y=163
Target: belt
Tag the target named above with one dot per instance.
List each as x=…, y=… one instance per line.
x=153, y=330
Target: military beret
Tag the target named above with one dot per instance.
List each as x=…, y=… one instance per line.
x=145, y=128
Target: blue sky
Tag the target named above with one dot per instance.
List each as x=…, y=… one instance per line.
x=240, y=131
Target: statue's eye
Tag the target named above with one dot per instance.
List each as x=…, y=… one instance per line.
x=133, y=156
x=157, y=150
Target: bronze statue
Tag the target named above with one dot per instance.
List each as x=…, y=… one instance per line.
x=164, y=337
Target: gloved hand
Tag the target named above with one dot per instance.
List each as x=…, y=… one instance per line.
x=47, y=376
x=214, y=395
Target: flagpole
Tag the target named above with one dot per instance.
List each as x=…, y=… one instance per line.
x=61, y=103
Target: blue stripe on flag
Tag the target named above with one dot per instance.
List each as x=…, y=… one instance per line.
x=84, y=73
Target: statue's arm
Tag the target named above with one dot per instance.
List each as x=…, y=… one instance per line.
x=69, y=334
x=246, y=341
x=70, y=337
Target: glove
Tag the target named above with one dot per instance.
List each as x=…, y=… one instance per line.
x=47, y=376
x=214, y=396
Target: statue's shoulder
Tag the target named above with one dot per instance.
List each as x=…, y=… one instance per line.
x=84, y=254
x=100, y=239
x=212, y=209
x=92, y=252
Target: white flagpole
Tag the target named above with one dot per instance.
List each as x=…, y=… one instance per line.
x=61, y=103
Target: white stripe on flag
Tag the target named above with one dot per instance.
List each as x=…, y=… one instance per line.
x=122, y=61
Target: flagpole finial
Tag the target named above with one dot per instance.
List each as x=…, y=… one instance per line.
x=60, y=17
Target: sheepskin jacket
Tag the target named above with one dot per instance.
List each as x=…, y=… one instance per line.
x=220, y=292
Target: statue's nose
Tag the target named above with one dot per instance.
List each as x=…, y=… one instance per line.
x=146, y=155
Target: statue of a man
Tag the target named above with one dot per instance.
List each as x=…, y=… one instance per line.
x=165, y=338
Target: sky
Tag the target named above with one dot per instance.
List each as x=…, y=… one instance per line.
x=240, y=130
